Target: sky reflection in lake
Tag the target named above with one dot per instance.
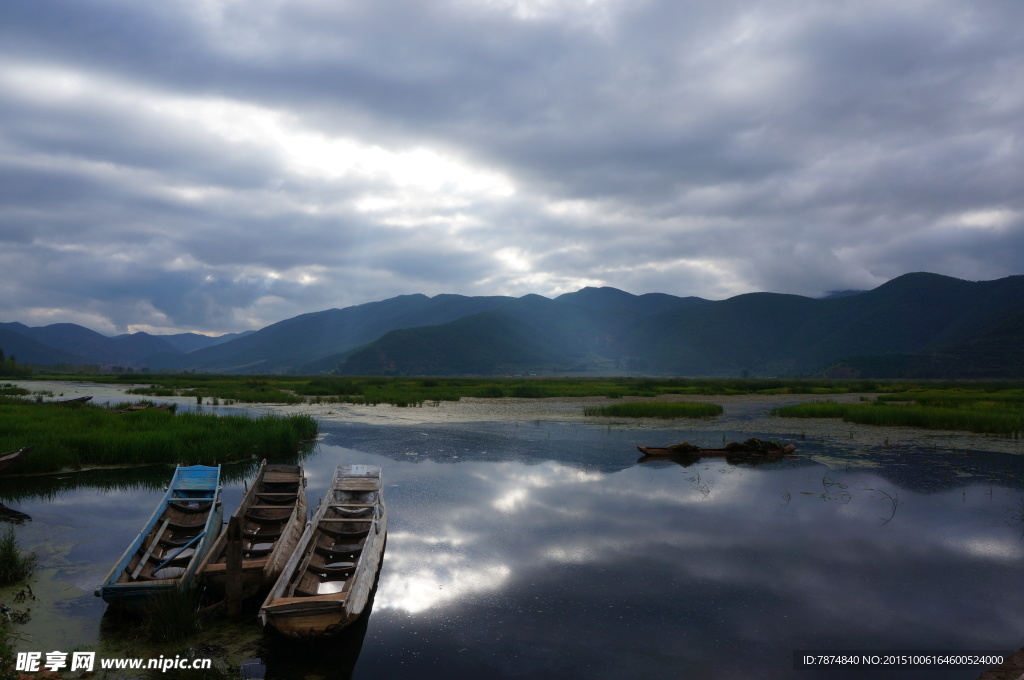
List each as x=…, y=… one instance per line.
x=547, y=550
x=544, y=550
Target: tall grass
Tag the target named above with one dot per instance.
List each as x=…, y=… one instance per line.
x=14, y=564
x=980, y=415
x=172, y=615
x=92, y=435
x=657, y=409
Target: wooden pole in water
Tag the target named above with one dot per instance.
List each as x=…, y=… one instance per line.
x=233, y=567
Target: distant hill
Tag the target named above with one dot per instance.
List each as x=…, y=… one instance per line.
x=756, y=334
x=294, y=344
x=917, y=325
x=29, y=351
x=190, y=342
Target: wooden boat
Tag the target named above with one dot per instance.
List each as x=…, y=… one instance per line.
x=750, y=448
x=168, y=550
x=272, y=516
x=327, y=582
x=73, y=402
x=9, y=459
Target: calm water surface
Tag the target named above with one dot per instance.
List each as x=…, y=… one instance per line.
x=547, y=550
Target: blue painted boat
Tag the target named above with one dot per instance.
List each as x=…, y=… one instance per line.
x=167, y=552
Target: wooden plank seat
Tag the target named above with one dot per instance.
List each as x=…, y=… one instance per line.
x=265, y=520
x=266, y=536
x=337, y=569
x=355, y=484
x=247, y=565
x=339, y=549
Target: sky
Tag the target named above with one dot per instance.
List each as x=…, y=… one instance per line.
x=216, y=166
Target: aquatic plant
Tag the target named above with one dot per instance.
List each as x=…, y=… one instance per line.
x=92, y=435
x=987, y=416
x=15, y=565
x=172, y=615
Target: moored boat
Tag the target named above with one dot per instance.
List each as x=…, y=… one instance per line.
x=327, y=582
x=752, y=447
x=168, y=550
x=73, y=402
x=9, y=459
x=272, y=516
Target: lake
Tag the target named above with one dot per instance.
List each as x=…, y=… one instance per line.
x=548, y=549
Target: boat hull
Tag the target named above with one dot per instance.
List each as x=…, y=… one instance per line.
x=308, y=600
x=167, y=552
x=274, y=505
x=9, y=459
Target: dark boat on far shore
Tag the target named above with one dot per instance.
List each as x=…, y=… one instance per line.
x=72, y=402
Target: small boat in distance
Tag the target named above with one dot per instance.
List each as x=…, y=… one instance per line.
x=753, y=447
x=272, y=516
x=327, y=582
x=168, y=550
x=72, y=402
x=9, y=459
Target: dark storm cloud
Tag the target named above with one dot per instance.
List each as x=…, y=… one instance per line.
x=216, y=165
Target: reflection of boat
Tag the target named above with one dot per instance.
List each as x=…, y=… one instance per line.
x=167, y=552
x=72, y=402
x=9, y=459
x=272, y=516
x=12, y=516
x=327, y=582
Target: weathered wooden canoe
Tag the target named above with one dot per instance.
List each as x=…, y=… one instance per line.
x=73, y=402
x=327, y=582
x=168, y=550
x=9, y=459
x=272, y=516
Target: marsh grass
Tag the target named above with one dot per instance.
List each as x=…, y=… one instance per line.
x=15, y=565
x=417, y=391
x=984, y=413
x=172, y=615
x=92, y=435
x=678, y=409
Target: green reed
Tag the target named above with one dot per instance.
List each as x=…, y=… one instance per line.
x=92, y=436
x=658, y=409
x=984, y=416
x=14, y=564
x=172, y=615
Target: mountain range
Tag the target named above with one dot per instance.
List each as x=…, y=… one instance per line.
x=918, y=325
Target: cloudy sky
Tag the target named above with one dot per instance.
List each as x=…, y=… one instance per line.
x=217, y=165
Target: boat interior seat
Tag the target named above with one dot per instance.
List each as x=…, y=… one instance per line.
x=171, y=543
x=339, y=549
x=336, y=569
x=345, y=533
x=266, y=520
x=257, y=552
x=178, y=526
x=261, y=535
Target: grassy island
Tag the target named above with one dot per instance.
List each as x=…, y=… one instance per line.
x=981, y=411
x=67, y=437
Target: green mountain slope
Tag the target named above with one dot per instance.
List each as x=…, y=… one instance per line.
x=296, y=342
x=757, y=333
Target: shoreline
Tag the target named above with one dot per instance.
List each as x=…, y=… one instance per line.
x=741, y=413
